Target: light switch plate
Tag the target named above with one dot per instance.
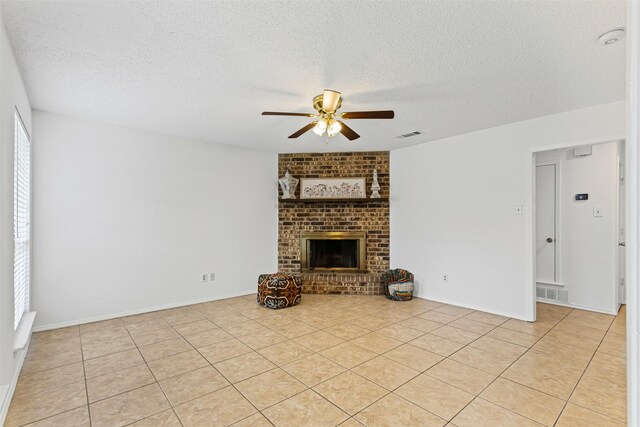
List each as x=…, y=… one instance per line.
x=597, y=212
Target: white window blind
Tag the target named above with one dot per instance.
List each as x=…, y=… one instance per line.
x=21, y=219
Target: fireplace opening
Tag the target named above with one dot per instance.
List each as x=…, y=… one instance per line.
x=335, y=251
x=333, y=254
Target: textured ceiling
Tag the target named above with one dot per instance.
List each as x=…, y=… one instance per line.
x=206, y=69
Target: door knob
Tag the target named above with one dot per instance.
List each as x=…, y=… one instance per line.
x=622, y=244
x=549, y=240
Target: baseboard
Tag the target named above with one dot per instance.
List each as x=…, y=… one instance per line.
x=11, y=388
x=579, y=307
x=472, y=307
x=50, y=326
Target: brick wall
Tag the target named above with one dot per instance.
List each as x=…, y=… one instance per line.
x=372, y=217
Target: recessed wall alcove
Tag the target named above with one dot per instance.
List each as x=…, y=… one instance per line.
x=367, y=217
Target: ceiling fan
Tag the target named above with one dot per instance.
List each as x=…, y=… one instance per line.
x=329, y=121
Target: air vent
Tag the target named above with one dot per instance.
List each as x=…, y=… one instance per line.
x=409, y=135
x=563, y=296
x=552, y=294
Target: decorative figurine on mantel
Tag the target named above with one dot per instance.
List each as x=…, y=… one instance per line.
x=288, y=185
x=375, y=186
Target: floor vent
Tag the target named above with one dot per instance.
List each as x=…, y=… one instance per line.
x=552, y=294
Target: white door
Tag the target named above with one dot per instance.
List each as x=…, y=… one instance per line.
x=546, y=223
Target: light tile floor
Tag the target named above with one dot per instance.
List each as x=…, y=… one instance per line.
x=332, y=360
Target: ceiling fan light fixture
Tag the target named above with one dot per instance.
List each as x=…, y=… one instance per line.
x=330, y=100
x=320, y=127
x=334, y=127
x=327, y=120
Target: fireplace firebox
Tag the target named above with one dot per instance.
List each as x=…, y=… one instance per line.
x=332, y=251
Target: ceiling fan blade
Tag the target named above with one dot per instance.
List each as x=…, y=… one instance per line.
x=303, y=130
x=386, y=114
x=330, y=100
x=276, y=113
x=347, y=131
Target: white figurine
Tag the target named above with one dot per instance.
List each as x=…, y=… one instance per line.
x=288, y=185
x=375, y=186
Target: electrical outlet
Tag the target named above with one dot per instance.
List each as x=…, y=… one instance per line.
x=212, y=277
x=445, y=277
x=203, y=277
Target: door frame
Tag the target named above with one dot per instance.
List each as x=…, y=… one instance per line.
x=621, y=201
x=632, y=212
x=557, y=232
x=531, y=196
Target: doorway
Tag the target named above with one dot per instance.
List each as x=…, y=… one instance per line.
x=578, y=227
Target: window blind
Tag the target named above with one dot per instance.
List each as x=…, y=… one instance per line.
x=21, y=219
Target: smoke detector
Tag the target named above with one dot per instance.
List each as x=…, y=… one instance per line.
x=612, y=36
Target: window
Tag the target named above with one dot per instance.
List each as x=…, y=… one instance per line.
x=21, y=219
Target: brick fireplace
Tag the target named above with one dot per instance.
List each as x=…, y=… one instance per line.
x=299, y=219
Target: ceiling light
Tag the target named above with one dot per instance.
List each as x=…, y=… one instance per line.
x=612, y=36
x=330, y=99
x=320, y=127
x=334, y=127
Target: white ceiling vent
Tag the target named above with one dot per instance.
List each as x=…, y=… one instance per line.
x=410, y=134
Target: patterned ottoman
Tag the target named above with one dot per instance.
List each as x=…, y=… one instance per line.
x=398, y=284
x=279, y=290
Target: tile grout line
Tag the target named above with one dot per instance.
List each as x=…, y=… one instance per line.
x=370, y=313
x=389, y=392
x=54, y=388
x=84, y=374
x=500, y=375
x=583, y=373
x=421, y=372
x=156, y=382
x=222, y=375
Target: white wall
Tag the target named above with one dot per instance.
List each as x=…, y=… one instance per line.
x=126, y=220
x=452, y=208
x=13, y=95
x=588, y=244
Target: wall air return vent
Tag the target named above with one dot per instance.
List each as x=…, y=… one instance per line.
x=563, y=296
x=552, y=294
